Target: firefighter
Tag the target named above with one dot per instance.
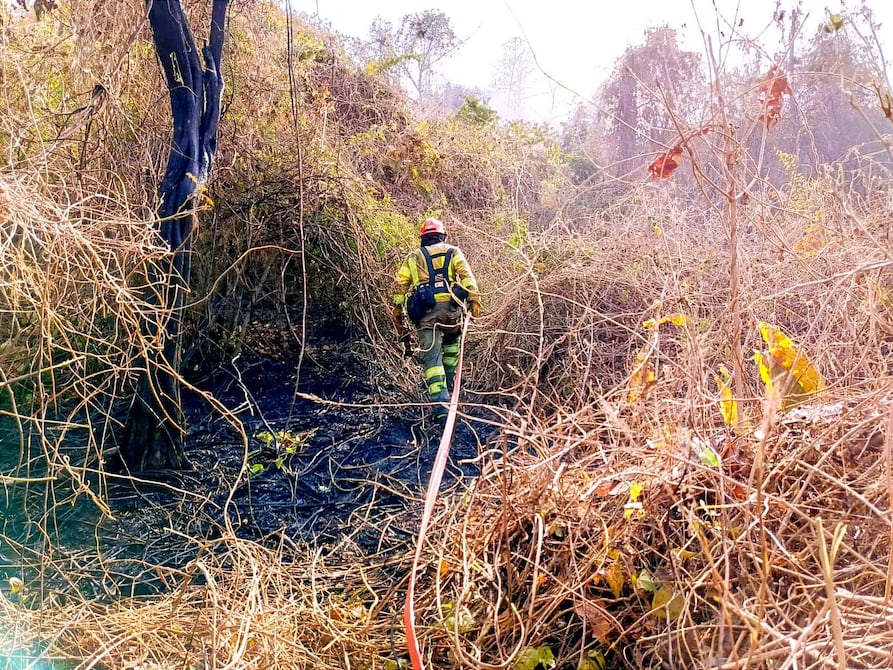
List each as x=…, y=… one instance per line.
x=434, y=289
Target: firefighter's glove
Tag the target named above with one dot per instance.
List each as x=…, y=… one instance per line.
x=475, y=308
x=406, y=341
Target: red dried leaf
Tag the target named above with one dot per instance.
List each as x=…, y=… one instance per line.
x=775, y=83
x=664, y=166
x=773, y=86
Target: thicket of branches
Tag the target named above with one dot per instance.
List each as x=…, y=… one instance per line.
x=618, y=519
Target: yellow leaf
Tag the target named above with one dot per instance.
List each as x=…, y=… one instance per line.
x=680, y=320
x=786, y=366
x=642, y=377
x=666, y=604
x=658, y=230
x=629, y=509
x=765, y=376
x=835, y=23
x=614, y=577
x=728, y=406
x=556, y=530
x=16, y=586
x=634, y=506
x=534, y=658
x=786, y=354
x=594, y=660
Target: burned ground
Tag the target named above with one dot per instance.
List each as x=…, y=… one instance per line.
x=328, y=464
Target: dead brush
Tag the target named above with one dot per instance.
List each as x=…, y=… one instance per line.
x=638, y=526
x=71, y=307
x=680, y=550
x=236, y=605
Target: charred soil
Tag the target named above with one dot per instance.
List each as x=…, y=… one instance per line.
x=315, y=459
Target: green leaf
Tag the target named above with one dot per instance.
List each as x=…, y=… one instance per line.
x=461, y=619
x=256, y=468
x=535, y=658
x=709, y=458
x=645, y=581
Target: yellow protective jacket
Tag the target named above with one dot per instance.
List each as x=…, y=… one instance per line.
x=414, y=272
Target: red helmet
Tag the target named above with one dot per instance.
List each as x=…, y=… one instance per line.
x=432, y=227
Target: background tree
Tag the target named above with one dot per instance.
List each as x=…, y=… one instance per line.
x=836, y=94
x=414, y=49
x=511, y=80
x=453, y=97
x=653, y=87
x=581, y=153
x=153, y=435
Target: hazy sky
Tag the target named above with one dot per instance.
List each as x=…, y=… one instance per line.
x=576, y=42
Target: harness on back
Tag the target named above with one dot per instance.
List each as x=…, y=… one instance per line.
x=438, y=280
x=423, y=296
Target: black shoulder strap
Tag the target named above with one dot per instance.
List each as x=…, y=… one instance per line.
x=445, y=270
x=430, y=264
x=447, y=259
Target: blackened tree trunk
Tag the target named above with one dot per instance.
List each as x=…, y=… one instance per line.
x=153, y=436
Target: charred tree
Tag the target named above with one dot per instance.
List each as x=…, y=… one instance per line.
x=153, y=435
